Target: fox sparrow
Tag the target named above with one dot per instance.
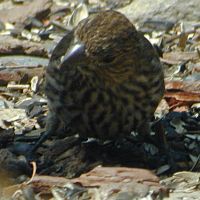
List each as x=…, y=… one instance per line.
x=104, y=79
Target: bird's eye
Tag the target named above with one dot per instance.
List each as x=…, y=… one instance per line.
x=108, y=58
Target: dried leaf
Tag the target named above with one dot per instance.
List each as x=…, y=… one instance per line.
x=34, y=83
x=176, y=57
x=182, y=40
x=10, y=115
x=80, y=13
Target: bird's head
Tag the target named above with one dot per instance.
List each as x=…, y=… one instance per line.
x=103, y=42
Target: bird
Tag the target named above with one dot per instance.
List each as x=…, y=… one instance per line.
x=104, y=79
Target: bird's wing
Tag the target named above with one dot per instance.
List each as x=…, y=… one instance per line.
x=149, y=55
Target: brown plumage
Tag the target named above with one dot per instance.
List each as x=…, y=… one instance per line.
x=104, y=78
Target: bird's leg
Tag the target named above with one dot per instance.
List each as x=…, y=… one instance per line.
x=164, y=145
x=159, y=140
x=52, y=125
x=145, y=132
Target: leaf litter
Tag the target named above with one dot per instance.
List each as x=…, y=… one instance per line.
x=23, y=110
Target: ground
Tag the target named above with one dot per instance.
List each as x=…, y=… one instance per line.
x=29, y=31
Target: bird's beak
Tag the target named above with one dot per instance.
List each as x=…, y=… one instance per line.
x=74, y=55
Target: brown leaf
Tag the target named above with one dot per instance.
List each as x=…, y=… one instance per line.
x=105, y=175
x=176, y=57
x=187, y=86
x=183, y=96
x=182, y=40
x=18, y=14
